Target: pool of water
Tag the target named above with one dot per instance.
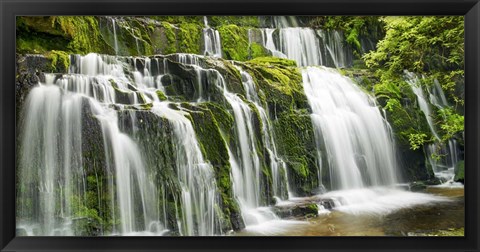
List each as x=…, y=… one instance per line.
x=376, y=212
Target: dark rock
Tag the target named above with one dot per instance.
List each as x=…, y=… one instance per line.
x=93, y=150
x=460, y=172
x=327, y=204
x=30, y=71
x=307, y=209
x=236, y=220
x=417, y=186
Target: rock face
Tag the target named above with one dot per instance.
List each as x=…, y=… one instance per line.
x=30, y=71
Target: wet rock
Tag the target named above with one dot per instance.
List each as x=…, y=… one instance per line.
x=459, y=172
x=417, y=186
x=297, y=210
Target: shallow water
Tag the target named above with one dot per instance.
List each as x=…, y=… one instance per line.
x=438, y=208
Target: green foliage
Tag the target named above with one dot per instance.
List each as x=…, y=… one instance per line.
x=417, y=140
x=451, y=124
x=431, y=46
x=420, y=44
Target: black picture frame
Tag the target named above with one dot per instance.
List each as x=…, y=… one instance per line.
x=11, y=8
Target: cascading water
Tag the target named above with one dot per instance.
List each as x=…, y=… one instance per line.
x=277, y=165
x=441, y=156
x=308, y=47
x=212, y=46
x=358, y=142
x=99, y=81
x=199, y=195
x=414, y=82
x=246, y=167
x=115, y=41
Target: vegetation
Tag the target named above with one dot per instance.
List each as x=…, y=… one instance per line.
x=432, y=46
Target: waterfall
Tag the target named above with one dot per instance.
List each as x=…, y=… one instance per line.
x=359, y=147
x=299, y=44
x=308, y=47
x=334, y=45
x=441, y=156
x=277, y=165
x=414, y=82
x=42, y=158
x=212, y=46
x=196, y=176
x=115, y=36
x=54, y=115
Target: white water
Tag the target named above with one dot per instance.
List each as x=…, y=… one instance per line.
x=308, y=47
x=196, y=176
x=379, y=200
x=442, y=156
x=212, y=45
x=358, y=142
x=277, y=165
x=53, y=120
x=299, y=44
x=115, y=36
x=414, y=82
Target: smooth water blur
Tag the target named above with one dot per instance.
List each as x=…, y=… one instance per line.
x=375, y=212
x=358, y=141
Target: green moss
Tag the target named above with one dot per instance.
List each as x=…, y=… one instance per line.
x=189, y=38
x=83, y=31
x=161, y=95
x=214, y=149
x=273, y=61
x=170, y=45
x=244, y=21
x=60, y=61
x=72, y=34
x=234, y=42
x=296, y=144
x=257, y=50
x=312, y=208
x=35, y=35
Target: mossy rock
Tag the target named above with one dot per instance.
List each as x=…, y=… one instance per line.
x=214, y=148
x=417, y=186
x=296, y=144
x=460, y=172
x=234, y=40
x=60, y=61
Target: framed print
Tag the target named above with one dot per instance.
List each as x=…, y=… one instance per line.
x=204, y=125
